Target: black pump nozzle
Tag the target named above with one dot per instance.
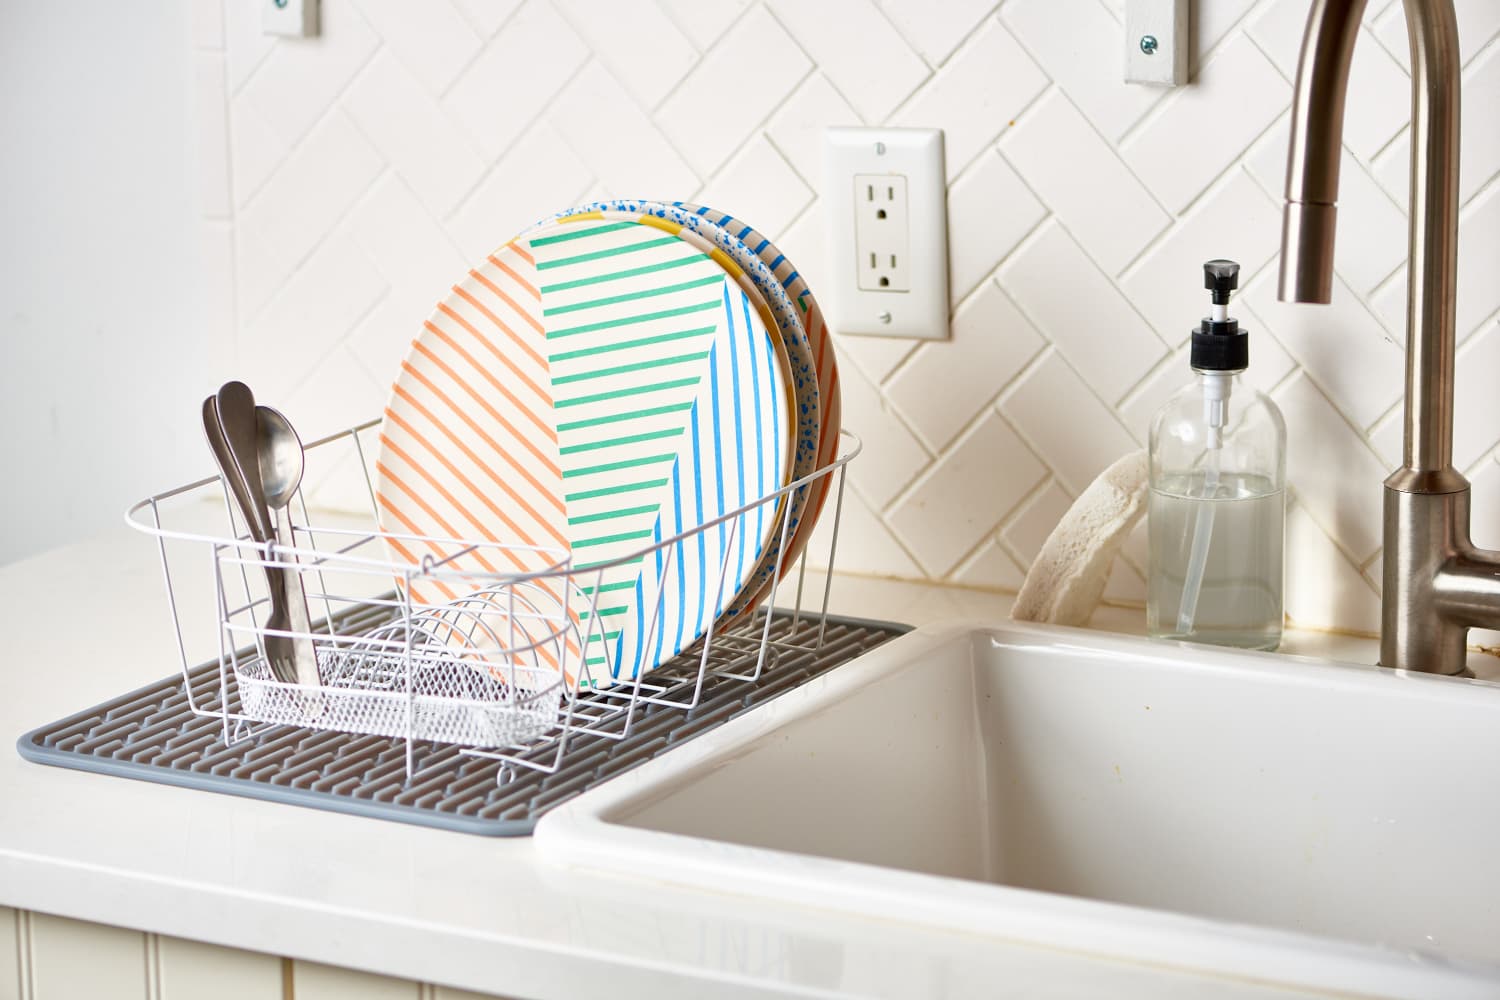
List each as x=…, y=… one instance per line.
x=1220, y=345
x=1221, y=277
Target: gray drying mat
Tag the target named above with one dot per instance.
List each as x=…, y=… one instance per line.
x=151, y=734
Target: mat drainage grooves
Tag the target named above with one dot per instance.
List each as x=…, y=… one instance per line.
x=152, y=735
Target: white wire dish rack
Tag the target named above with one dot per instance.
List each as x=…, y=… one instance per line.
x=498, y=663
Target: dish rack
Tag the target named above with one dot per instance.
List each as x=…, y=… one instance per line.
x=495, y=660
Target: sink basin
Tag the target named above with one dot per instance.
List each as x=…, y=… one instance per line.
x=1296, y=822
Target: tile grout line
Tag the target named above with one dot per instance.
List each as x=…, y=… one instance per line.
x=526, y=129
x=738, y=19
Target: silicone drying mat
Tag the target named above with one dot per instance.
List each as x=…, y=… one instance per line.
x=152, y=735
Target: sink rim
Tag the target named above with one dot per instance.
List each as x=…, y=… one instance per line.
x=585, y=834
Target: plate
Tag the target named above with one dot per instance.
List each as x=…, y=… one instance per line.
x=805, y=375
x=821, y=342
x=600, y=384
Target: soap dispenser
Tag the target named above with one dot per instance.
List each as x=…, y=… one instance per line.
x=1217, y=511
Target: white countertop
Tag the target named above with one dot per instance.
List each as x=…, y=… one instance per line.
x=87, y=622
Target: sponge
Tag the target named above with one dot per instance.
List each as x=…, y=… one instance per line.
x=1063, y=586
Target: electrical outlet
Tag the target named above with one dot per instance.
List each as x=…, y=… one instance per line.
x=881, y=236
x=888, y=226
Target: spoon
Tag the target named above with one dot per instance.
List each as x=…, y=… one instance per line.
x=236, y=460
x=281, y=462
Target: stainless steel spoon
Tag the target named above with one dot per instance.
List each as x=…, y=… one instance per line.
x=235, y=453
x=281, y=461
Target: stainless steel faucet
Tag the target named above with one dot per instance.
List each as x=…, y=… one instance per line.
x=1437, y=585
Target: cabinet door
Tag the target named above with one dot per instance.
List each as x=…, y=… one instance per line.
x=76, y=960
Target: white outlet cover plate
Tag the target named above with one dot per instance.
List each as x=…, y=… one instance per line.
x=290, y=18
x=1156, y=42
x=920, y=311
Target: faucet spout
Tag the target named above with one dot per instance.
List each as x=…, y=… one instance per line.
x=1436, y=585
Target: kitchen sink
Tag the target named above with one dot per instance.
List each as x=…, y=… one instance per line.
x=1325, y=826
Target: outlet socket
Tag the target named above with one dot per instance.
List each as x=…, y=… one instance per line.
x=882, y=239
x=887, y=211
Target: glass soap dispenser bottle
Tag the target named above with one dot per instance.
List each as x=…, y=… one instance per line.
x=1217, y=512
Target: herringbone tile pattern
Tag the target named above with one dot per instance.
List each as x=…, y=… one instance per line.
x=347, y=179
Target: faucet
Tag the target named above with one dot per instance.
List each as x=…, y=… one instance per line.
x=1436, y=584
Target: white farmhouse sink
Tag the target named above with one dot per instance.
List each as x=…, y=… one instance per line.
x=1322, y=826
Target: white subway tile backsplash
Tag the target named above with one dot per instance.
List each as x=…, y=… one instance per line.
x=538, y=170
x=1371, y=241
x=798, y=126
x=1076, y=307
x=302, y=77
x=1155, y=389
x=1125, y=584
x=1200, y=130
x=311, y=315
x=1478, y=24
x=1083, y=60
x=877, y=357
x=991, y=567
x=433, y=40
x=1476, y=404
x=1277, y=28
x=408, y=247
x=1479, y=152
x=990, y=210
x=1484, y=509
x=626, y=153
x=643, y=49
x=1379, y=100
x=946, y=382
x=1331, y=468
x=858, y=49
x=901, y=454
x=704, y=20
x=337, y=394
x=316, y=185
x=1234, y=220
x=371, y=165
x=865, y=543
x=1478, y=264
x=1078, y=174
x=254, y=151
x=965, y=494
x=1342, y=346
x=1065, y=423
x=258, y=273
x=486, y=16
x=245, y=44
x=1211, y=23
x=757, y=183
x=1379, y=88
x=409, y=128
x=525, y=65
x=751, y=70
x=984, y=86
x=935, y=30
x=1326, y=588
x=1027, y=531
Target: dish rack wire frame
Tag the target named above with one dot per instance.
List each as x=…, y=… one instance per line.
x=582, y=707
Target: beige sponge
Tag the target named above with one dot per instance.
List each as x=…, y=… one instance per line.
x=1064, y=584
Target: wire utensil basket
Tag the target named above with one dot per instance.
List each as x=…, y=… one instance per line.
x=480, y=643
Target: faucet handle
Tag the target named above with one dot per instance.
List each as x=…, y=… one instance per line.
x=1221, y=277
